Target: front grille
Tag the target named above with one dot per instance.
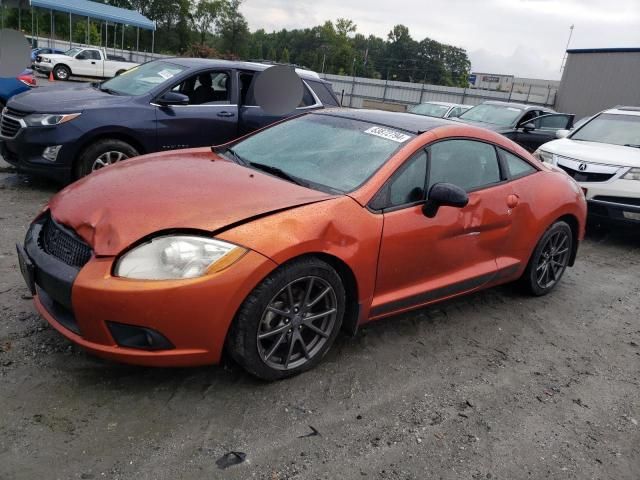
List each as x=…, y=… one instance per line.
x=621, y=200
x=9, y=127
x=12, y=112
x=63, y=244
x=579, y=176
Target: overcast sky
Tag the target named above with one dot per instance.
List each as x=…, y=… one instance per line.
x=521, y=37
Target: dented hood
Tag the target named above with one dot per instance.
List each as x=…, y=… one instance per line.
x=189, y=189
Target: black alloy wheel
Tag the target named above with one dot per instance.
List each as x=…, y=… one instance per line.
x=549, y=260
x=289, y=321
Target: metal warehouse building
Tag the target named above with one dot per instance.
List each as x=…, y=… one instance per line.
x=595, y=79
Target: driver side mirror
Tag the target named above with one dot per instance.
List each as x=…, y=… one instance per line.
x=528, y=127
x=81, y=56
x=562, y=133
x=444, y=195
x=173, y=98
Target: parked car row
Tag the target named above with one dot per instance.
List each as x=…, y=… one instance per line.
x=184, y=103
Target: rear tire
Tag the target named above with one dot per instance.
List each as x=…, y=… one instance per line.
x=102, y=154
x=549, y=259
x=289, y=321
x=61, y=72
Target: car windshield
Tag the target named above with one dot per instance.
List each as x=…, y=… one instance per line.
x=611, y=128
x=501, y=115
x=429, y=109
x=328, y=153
x=72, y=52
x=140, y=80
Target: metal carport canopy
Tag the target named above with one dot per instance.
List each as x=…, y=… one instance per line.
x=98, y=11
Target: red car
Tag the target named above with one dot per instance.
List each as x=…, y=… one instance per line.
x=267, y=246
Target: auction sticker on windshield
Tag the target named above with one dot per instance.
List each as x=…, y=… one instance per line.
x=388, y=134
x=166, y=74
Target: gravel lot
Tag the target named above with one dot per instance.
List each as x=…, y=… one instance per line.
x=495, y=385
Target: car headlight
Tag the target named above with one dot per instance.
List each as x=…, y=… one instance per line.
x=49, y=119
x=633, y=174
x=177, y=256
x=45, y=60
x=544, y=156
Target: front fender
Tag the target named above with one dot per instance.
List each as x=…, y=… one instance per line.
x=339, y=227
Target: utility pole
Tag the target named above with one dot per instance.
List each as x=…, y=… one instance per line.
x=564, y=58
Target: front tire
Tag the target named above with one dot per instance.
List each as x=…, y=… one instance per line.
x=289, y=321
x=102, y=154
x=61, y=72
x=549, y=260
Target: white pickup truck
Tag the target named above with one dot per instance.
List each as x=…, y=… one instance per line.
x=82, y=62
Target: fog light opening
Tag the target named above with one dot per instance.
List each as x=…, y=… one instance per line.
x=132, y=336
x=51, y=153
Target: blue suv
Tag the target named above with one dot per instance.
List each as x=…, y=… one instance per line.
x=161, y=105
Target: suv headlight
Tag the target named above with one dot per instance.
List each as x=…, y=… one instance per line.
x=633, y=174
x=49, y=119
x=543, y=156
x=177, y=256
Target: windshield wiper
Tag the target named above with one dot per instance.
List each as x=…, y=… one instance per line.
x=108, y=90
x=236, y=156
x=278, y=173
x=631, y=145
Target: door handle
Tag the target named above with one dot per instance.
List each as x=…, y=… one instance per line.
x=93, y=63
x=513, y=200
x=226, y=114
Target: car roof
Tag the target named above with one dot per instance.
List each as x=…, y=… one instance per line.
x=236, y=64
x=521, y=106
x=624, y=110
x=408, y=122
x=446, y=104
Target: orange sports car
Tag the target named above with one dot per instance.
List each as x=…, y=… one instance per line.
x=268, y=246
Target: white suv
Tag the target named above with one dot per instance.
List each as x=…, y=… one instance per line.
x=603, y=156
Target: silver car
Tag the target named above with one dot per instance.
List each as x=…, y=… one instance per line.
x=439, y=109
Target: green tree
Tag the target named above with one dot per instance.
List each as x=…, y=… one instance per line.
x=233, y=29
x=204, y=17
x=285, y=57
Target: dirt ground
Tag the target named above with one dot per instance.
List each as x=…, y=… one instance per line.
x=495, y=385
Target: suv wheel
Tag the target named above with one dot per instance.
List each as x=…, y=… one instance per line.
x=102, y=154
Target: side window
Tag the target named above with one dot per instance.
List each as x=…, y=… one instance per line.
x=206, y=88
x=517, y=166
x=324, y=93
x=466, y=163
x=245, y=82
x=552, y=122
x=307, y=98
x=455, y=112
x=406, y=185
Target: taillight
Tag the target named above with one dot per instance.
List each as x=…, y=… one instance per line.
x=28, y=80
